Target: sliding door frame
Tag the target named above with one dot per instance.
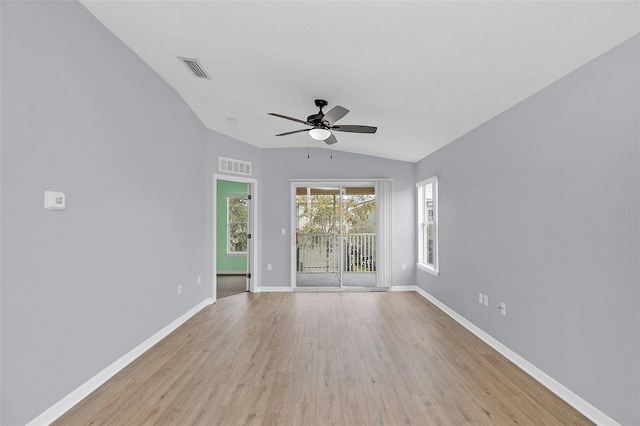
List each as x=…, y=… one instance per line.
x=382, y=220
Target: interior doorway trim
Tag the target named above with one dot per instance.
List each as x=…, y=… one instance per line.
x=252, y=245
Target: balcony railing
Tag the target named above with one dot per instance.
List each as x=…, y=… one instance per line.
x=320, y=253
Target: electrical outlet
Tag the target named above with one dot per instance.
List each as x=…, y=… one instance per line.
x=199, y=279
x=503, y=308
x=268, y=266
x=179, y=289
x=486, y=300
x=480, y=298
x=283, y=231
x=403, y=266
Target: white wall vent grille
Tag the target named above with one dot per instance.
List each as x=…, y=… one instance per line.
x=195, y=67
x=235, y=166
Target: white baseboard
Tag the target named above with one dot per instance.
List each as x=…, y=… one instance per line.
x=273, y=289
x=588, y=410
x=65, y=404
x=62, y=406
x=404, y=288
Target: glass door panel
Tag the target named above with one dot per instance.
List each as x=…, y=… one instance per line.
x=358, y=228
x=318, y=236
x=335, y=236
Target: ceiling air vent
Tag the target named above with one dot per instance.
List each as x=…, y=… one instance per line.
x=195, y=67
x=235, y=166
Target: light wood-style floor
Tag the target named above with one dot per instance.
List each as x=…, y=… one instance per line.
x=320, y=359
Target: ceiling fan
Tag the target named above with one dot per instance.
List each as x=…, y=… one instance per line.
x=323, y=124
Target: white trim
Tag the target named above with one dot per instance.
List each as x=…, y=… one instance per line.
x=588, y=410
x=66, y=403
x=273, y=289
x=404, y=288
x=427, y=268
x=426, y=181
x=422, y=224
x=252, y=264
x=384, y=200
x=293, y=232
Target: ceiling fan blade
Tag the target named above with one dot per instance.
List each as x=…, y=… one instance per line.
x=288, y=118
x=355, y=129
x=335, y=114
x=295, y=131
x=331, y=140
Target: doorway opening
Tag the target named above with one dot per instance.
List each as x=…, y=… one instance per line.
x=233, y=244
x=335, y=235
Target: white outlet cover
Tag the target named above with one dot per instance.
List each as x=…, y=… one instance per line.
x=486, y=300
x=480, y=298
x=503, y=308
x=54, y=200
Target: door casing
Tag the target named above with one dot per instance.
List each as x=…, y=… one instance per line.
x=252, y=248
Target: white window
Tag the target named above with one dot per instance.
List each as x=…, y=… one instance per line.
x=428, y=225
x=237, y=224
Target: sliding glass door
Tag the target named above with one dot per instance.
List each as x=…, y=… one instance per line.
x=335, y=236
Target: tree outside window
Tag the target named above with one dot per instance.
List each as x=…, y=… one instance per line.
x=237, y=226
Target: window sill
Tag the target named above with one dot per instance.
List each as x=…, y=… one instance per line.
x=237, y=253
x=427, y=268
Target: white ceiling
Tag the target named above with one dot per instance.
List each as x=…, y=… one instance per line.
x=424, y=72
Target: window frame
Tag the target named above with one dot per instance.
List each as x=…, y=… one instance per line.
x=229, y=223
x=422, y=224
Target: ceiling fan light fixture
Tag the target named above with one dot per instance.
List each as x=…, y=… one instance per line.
x=319, y=133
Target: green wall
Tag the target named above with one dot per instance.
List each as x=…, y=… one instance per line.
x=225, y=263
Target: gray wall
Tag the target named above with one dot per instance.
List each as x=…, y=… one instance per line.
x=280, y=165
x=522, y=207
x=523, y=203
x=219, y=145
x=81, y=287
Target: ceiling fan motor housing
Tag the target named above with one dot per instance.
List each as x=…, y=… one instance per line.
x=316, y=119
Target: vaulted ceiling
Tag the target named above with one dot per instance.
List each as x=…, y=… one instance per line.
x=424, y=72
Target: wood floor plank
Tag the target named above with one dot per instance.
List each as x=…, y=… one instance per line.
x=322, y=359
